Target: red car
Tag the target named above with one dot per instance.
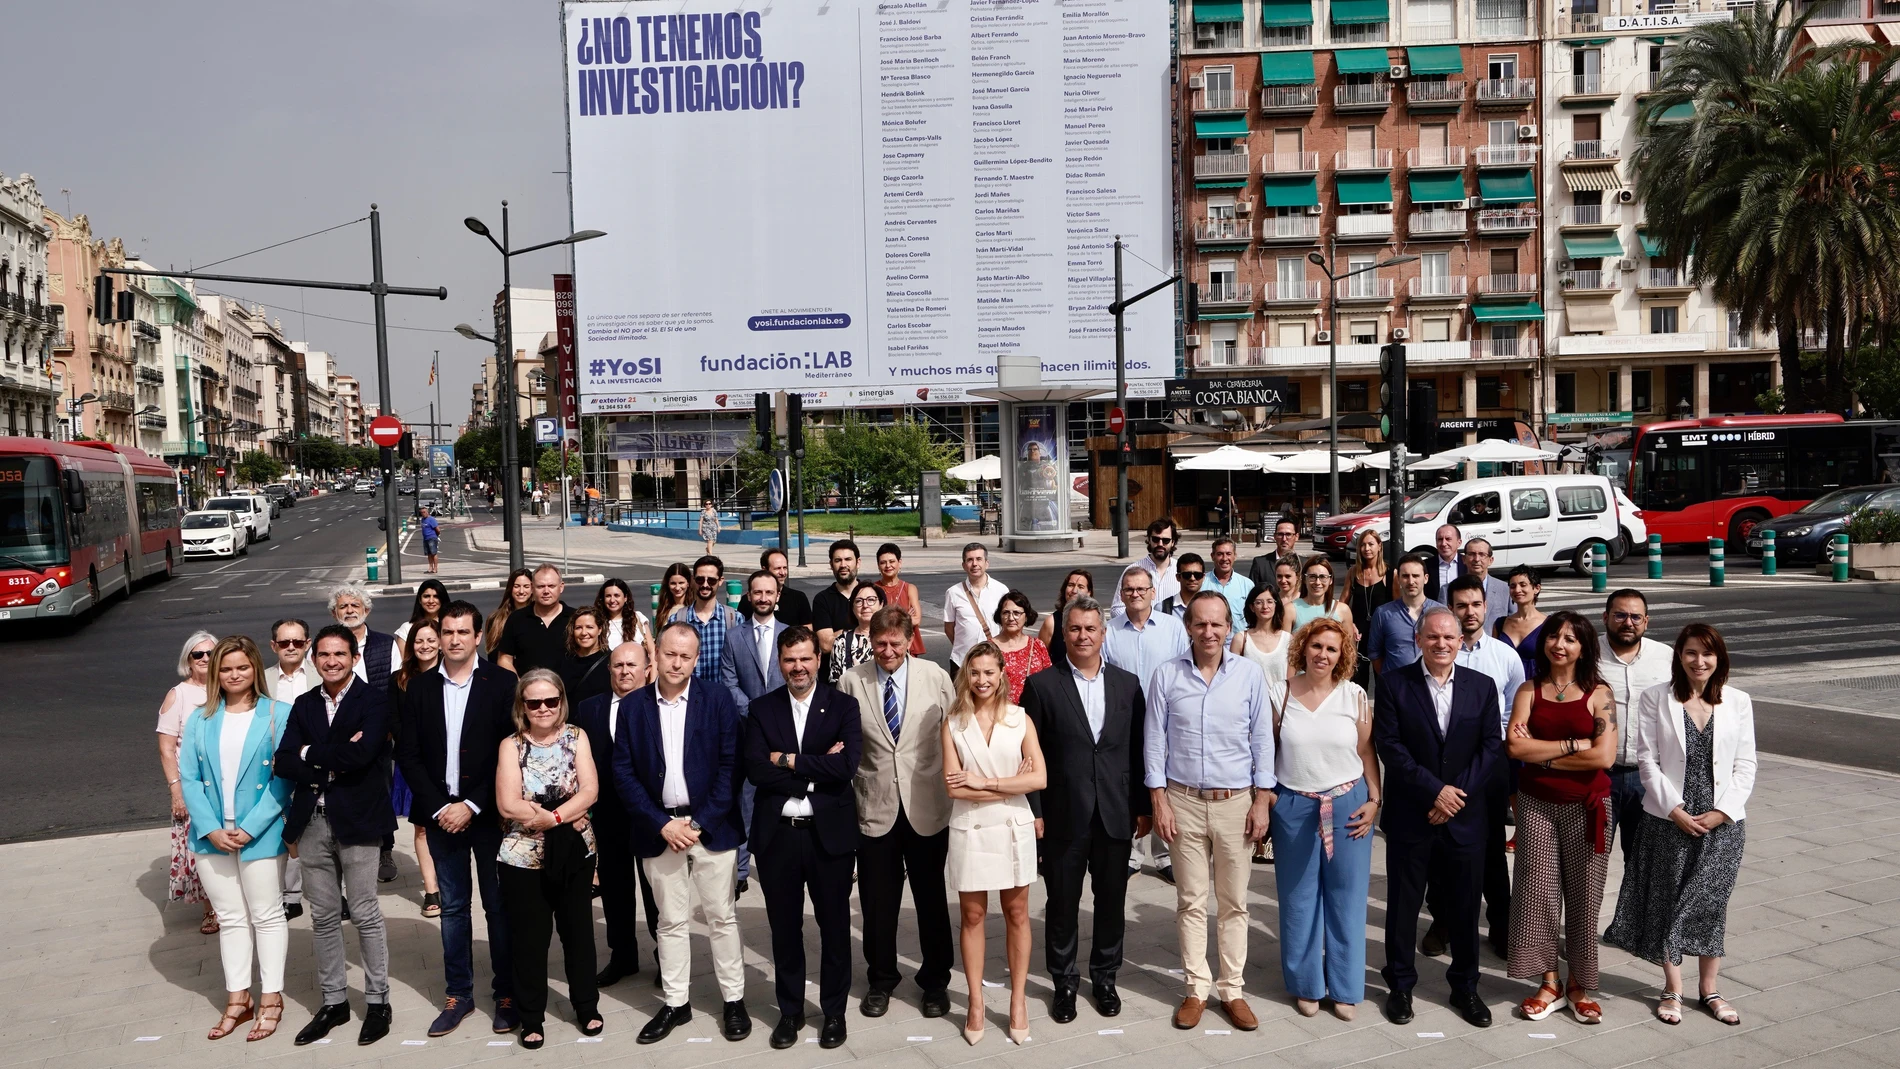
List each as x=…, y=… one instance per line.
x=1335, y=535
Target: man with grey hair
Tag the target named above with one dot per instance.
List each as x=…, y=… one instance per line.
x=1139, y=641
x=1089, y=715
x=378, y=657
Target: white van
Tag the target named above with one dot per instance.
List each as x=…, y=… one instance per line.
x=1545, y=521
x=251, y=508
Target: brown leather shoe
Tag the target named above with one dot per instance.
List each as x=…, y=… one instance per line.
x=1189, y=1015
x=1240, y=1014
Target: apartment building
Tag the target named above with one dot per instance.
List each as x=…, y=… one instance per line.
x=29, y=382
x=235, y=325
x=349, y=410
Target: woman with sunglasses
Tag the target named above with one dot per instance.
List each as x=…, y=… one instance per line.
x=194, y=669
x=516, y=593
x=423, y=655
x=853, y=647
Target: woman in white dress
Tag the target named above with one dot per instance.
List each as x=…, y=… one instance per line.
x=1265, y=642
x=991, y=762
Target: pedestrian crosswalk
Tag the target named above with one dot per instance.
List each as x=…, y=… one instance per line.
x=1756, y=633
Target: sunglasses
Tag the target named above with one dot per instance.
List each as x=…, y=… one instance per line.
x=291, y=643
x=700, y=580
x=1191, y=575
x=1160, y=541
x=200, y=655
x=540, y=703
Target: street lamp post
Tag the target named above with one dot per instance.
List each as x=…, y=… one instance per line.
x=1325, y=263
x=505, y=370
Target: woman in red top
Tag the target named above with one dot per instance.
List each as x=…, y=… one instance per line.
x=1023, y=653
x=1563, y=727
x=900, y=593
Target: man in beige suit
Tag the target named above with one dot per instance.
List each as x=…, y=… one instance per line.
x=903, y=811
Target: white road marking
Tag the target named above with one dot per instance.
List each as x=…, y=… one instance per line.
x=1821, y=647
x=1784, y=621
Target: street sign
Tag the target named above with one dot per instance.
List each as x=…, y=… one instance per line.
x=1116, y=421
x=547, y=430
x=385, y=431
x=220, y=472
x=441, y=460
x=775, y=490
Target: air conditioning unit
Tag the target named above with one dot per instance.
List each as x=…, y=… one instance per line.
x=1313, y=209
x=1204, y=35
x=1563, y=265
x=1626, y=196
x=1473, y=203
x=1400, y=334
x=1324, y=337
x=1243, y=207
x=1626, y=264
x=1400, y=72
x=1527, y=132
x=1191, y=341
x=1196, y=81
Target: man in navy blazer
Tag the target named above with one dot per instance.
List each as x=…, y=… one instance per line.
x=1436, y=728
x=748, y=665
x=621, y=882
x=802, y=745
x=676, y=768
x=1447, y=565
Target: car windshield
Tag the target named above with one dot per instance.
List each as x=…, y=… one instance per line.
x=275, y=488
x=1429, y=505
x=1839, y=501
x=206, y=521
x=233, y=504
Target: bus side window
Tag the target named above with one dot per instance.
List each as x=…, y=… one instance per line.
x=1675, y=481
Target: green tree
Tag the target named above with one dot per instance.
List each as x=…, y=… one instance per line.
x=258, y=467
x=547, y=466
x=1876, y=377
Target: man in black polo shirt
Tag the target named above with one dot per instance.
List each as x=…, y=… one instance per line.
x=536, y=637
x=831, y=607
x=794, y=608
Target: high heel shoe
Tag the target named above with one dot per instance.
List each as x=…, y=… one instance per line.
x=973, y=1036
x=1019, y=1036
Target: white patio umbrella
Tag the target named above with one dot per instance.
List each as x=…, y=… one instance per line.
x=1496, y=451
x=1228, y=458
x=1312, y=462
x=987, y=467
x=1413, y=462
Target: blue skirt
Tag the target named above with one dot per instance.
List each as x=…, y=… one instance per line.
x=400, y=797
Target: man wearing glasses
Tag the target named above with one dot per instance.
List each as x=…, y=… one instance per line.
x=1163, y=537
x=1188, y=575
x=1497, y=597
x=1285, y=533
x=1139, y=641
x=1631, y=664
x=288, y=679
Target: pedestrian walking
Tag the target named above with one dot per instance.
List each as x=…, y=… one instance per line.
x=517, y=592
x=1696, y=749
x=1631, y=663
x=431, y=537
x=1023, y=653
x=186, y=697
x=709, y=525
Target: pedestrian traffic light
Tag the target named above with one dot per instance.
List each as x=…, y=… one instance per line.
x=795, y=422
x=1392, y=422
x=1421, y=411
x=1191, y=304
x=762, y=419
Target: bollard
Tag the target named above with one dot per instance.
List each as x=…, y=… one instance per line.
x=734, y=591
x=1843, y=555
x=1655, y=556
x=1599, y=568
x=653, y=589
x=1718, y=563
x=1768, y=552
x=370, y=558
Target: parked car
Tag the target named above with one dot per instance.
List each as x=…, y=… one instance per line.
x=214, y=533
x=1541, y=520
x=251, y=508
x=432, y=498
x=1335, y=535
x=1801, y=536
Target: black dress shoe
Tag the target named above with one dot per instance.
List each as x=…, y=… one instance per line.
x=875, y=1004
x=1472, y=1008
x=375, y=1023
x=327, y=1018
x=738, y=1023
x=936, y=1003
x=1062, y=1007
x=1398, y=1007
x=1108, y=1003
x=785, y=1033
x=614, y=973
x=663, y=1023
x=832, y=1034
x=346, y=909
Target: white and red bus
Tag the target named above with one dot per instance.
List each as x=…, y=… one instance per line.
x=1720, y=476
x=79, y=523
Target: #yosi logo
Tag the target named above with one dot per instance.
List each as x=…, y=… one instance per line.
x=639, y=369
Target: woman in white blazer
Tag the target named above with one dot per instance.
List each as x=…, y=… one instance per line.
x=1695, y=752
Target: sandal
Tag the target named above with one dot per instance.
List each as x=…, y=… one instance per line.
x=269, y=1015
x=1587, y=1011
x=1719, y=1008
x=1537, y=1007
x=210, y=925
x=236, y=1012
x=1669, y=1007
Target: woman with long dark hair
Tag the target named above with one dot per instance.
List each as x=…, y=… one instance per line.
x=431, y=598
x=422, y=656
x=584, y=670
x=516, y=593
x=1525, y=623
x=624, y=622
x=1368, y=586
x=676, y=589
x=1078, y=583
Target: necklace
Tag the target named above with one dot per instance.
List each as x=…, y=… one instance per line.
x=1563, y=689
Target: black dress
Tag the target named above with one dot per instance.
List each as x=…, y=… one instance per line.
x=585, y=677
x=1364, y=600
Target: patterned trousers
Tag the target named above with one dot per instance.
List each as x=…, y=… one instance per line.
x=1558, y=887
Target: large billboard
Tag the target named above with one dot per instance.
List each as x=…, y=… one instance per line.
x=867, y=201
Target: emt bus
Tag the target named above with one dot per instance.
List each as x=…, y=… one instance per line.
x=1718, y=477
x=80, y=522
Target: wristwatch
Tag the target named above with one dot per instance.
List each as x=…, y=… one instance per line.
x=784, y=760
x=693, y=823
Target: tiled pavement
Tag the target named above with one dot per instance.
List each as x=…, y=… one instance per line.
x=102, y=975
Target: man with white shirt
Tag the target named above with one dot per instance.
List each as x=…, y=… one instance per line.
x=454, y=719
x=1477, y=557
x=621, y=884
x=1630, y=663
x=969, y=606
x=1163, y=539
x=288, y=679
x=1446, y=566
x=801, y=751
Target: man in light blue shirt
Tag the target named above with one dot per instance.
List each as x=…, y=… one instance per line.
x=1139, y=641
x=1229, y=584
x=1394, y=625
x=1208, y=765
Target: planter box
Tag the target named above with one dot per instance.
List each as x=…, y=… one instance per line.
x=1876, y=560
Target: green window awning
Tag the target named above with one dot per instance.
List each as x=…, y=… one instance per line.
x=1589, y=42
x=1286, y=68
x=1219, y=128
x=1529, y=311
x=1365, y=188
x=1518, y=186
x=1434, y=59
x=1362, y=61
x=1226, y=11
x=1652, y=244
x=1285, y=12
x=1351, y=12
x=1581, y=246
x=1276, y=192
x=1220, y=183
x=1205, y=316
x=1682, y=112
x=1437, y=188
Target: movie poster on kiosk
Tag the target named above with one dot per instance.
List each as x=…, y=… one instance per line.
x=1039, y=464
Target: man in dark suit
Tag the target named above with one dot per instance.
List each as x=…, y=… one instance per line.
x=454, y=719
x=748, y=665
x=802, y=744
x=1088, y=714
x=376, y=661
x=1436, y=727
x=621, y=884
x=1446, y=567
x=676, y=769
x=336, y=750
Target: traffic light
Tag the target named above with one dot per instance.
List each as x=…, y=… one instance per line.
x=406, y=446
x=102, y=298
x=1191, y=304
x=762, y=419
x=1392, y=421
x=795, y=422
x=1421, y=411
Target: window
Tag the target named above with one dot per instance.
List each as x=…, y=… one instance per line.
x=1434, y=330
x=1434, y=268
x=1501, y=132
x=1220, y=85
x=1289, y=272
x=1587, y=67
x=1581, y=500
x=1735, y=388
x=1289, y=334
x=1353, y=396
x=1828, y=469
x=1478, y=508
x=1220, y=208
x=1220, y=273
x=1566, y=391
x=1289, y=142
x=1501, y=18
x=1434, y=142
x=1745, y=473
x=1500, y=68
x=1431, y=20
x=1675, y=481
x=1530, y=504
x=1587, y=127
x=1662, y=318
x=1640, y=390
x=1491, y=388
x=1224, y=349
x=1359, y=146
x=1504, y=261
x=1363, y=331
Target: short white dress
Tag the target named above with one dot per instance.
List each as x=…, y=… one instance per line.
x=992, y=844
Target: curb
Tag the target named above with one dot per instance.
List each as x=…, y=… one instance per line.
x=459, y=586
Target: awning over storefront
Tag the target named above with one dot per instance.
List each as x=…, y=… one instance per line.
x=1584, y=246
x=1278, y=192
x=1286, y=68
x=1229, y=11
x=1350, y=12
x=1365, y=189
x=1220, y=128
x=1589, y=316
x=1600, y=179
x=1508, y=313
x=1361, y=60
x=1285, y=12
x=1437, y=188
x=1507, y=187
x=1434, y=59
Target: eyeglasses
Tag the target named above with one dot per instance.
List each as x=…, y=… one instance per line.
x=1318, y=578
x=865, y=601
x=1190, y=575
x=1010, y=614
x=200, y=655
x=1137, y=591
x=540, y=703
x=1629, y=617
x=291, y=643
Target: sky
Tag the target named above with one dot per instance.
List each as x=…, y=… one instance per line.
x=202, y=129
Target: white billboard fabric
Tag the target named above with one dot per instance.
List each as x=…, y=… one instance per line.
x=868, y=201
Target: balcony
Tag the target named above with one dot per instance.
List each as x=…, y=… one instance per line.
x=1506, y=92
x=62, y=341
x=1524, y=155
x=1588, y=153
x=1431, y=95
x=1593, y=282
x=1663, y=280
x=1289, y=98
x=1507, y=285
x=1448, y=158
x=1363, y=288
x=1827, y=10
x=1289, y=228
x=1437, y=224
x=1647, y=82
x=1301, y=292
x=1579, y=23
x=117, y=401
x=1223, y=232
x=152, y=421
x=1437, y=288
x=1627, y=344
x=1372, y=96
x=1429, y=31
x=1591, y=217
x=1582, y=89
x=1500, y=348
x=1507, y=220
x=149, y=374
x=1360, y=33
x=1290, y=163
x=1233, y=164
x=1363, y=227
x=1349, y=354
x=1505, y=26
x=1219, y=99
x=1218, y=36
x=1376, y=159
x=1226, y=294
x=145, y=330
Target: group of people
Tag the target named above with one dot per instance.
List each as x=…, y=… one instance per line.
x=548, y=754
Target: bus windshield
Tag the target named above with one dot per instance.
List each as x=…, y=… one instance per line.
x=32, y=513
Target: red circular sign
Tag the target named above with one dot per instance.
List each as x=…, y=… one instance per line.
x=385, y=430
x=1115, y=421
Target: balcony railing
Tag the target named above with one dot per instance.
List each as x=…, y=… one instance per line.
x=152, y=421
x=62, y=340
x=1506, y=26
x=1361, y=33
x=1427, y=91
x=1836, y=9
x=1222, y=230
x=1447, y=156
x=1289, y=162
x=1429, y=31
x=1507, y=90
x=1225, y=98
x=1363, y=288
x=1289, y=227
x=1499, y=348
x=1506, y=155
x=1219, y=354
x=1589, y=85
x=1606, y=151
x=1592, y=215
x=1219, y=35
x=1300, y=292
x=1374, y=94
x=1289, y=98
x=1502, y=219
x=1374, y=159
x=147, y=373
x=1514, y=284
x=1233, y=164
x=1364, y=226
x=1595, y=280
x=1419, y=224
x=1428, y=286
x=145, y=330
x=1227, y=293
x=117, y=401
x=1663, y=278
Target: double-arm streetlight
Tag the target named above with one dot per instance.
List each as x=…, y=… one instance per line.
x=1325, y=264
x=505, y=369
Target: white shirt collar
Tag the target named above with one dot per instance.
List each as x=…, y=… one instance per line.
x=900, y=677
x=685, y=694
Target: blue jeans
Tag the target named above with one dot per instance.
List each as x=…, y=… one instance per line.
x=480, y=842
x=746, y=793
x=1322, y=899
x=1626, y=807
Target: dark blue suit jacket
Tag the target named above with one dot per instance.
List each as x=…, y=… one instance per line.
x=609, y=813
x=769, y=727
x=712, y=767
x=1420, y=760
x=346, y=763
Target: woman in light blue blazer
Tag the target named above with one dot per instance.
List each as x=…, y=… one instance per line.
x=236, y=806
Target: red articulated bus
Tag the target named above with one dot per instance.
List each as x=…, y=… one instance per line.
x=79, y=523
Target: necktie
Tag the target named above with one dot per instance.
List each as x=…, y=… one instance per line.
x=765, y=653
x=893, y=717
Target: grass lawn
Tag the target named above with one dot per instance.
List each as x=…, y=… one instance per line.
x=866, y=524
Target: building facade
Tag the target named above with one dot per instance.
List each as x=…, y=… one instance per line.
x=30, y=384
x=92, y=346
x=349, y=410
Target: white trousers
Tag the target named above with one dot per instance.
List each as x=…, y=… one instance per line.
x=248, y=897
x=678, y=878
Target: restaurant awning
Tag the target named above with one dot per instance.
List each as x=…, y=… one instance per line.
x=1518, y=186
x=1528, y=311
x=1365, y=188
x=1286, y=68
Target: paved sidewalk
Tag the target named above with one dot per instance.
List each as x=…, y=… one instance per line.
x=103, y=975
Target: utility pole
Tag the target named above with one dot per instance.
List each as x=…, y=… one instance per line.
x=1122, y=439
